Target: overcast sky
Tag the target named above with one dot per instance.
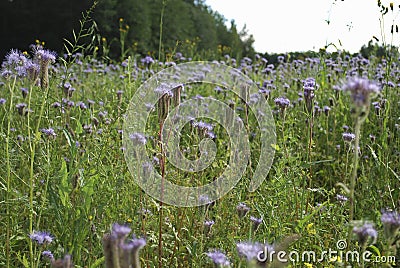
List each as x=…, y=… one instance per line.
x=280, y=26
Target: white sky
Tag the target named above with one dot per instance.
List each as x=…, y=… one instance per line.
x=280, y=26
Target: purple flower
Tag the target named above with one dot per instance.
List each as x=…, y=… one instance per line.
x=341, y=198
x=21, y=108
x=48, y=255
x=32, y=70
x=209, y=223
x=14, y=57
x=326, y=110
x=365, y=232
x=49, y=132
x=348, y=137
x=24, y=92
x=242, y=209
x=56, y=104
x=256, y=222
x=361, y=90
x=147, y=60
x=2, y=101
x=309, y=86
x=81, y=105
x=138, y=243
x=218, y=258
x=46, y=56
x=120, y=231
x=41, y=237
x=282, y=102
x=203, y=126
x=137, y=138
x=251, y=250
x=391, y=223
x=145, y=212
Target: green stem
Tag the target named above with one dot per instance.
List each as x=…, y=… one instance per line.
x=354, y=176
x=8, y=213
x=32, y=148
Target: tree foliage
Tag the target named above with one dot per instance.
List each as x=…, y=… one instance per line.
x=189, y=26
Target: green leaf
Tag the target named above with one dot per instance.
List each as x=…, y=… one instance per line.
x=98, y=262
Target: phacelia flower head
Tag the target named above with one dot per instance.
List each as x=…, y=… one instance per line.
x=256, y=222
x=120, y=230
x=282, y=102
x=361, y=90
x=137, y=138
x=14, y=58
x=348, y=137
x=391, y=223
x=49, y=132
x=252, y=250
x=48, y=255
x=364, y=233
x=138, y=243
x=41, y=237
x=46, y=56
x=218, y=258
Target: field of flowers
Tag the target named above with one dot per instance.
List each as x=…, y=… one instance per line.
x=67, y=195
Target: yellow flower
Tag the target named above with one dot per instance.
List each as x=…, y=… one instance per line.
x=90, y=217
x=308, y=265
x=121, y=19
x=335, y=259
x=129, y=220
x=311, y=229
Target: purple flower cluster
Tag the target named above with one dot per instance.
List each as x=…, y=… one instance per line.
x=251, y=250
x=361, y=90
x=364, y=233
x=41, y=237
x=282, y=102
x=391, y=223
x=256, y=222
x=137, y=138
x=218, y=258
x=49, y=132
x=17, y=64
x=348, y=137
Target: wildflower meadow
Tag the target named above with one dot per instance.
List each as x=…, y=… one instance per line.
x=76, y=150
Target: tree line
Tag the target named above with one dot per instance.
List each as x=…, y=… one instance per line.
x=124, y=26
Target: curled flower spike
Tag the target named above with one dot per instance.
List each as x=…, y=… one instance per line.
x=45, y=57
